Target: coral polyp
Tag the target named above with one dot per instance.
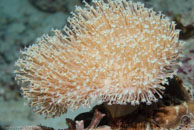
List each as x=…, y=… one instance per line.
x=117, y=52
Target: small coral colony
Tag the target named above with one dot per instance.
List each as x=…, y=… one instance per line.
x=115, y=53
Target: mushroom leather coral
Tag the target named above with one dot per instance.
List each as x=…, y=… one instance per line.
x=117, y=52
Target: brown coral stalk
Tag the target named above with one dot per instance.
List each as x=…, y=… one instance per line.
x=96, y=119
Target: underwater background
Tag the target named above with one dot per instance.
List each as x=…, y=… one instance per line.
x=23, y=21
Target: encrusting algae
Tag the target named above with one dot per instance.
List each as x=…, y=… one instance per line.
x=117, y=52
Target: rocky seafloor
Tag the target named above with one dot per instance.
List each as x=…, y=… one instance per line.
x=22, y=21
